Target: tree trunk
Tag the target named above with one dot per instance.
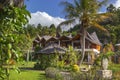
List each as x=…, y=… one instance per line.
x=83, y=45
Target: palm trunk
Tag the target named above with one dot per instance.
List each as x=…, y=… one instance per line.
x=83, y=45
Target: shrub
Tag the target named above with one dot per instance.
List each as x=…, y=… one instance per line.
x=37, y=66
x=60, y=64
x=75, y=68
x=53, y=73
x=70, y=56
x=48, y=60
x=67, y=68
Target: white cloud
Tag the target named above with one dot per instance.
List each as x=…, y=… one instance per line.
x=44, y=19
x=101, y=12
x=117, y=3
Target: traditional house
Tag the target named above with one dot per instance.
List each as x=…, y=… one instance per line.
x=92, y=41
x=36, y=41
x=93, y=44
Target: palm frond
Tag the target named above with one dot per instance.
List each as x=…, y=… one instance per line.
x=96, y=25
x=68, y=6
x=71, y=9
x=77, y=3
x=103, y=3
x=84, y=4
x=93, y=6
x=103, y=16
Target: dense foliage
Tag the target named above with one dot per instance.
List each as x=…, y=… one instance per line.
x=66, y=61
x=48, y=60
x=83, y=12
x=112, y=25
x=12, y=20
x=40, y=30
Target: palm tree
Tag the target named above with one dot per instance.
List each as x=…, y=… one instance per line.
x=86, y=12
x=17, y=3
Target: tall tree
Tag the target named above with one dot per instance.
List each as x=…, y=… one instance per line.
x=59, y=30
x=17, y=3
x=31, y=29
x=12, y=19
x=111, y=8
x=86, y=12
x=52, y=30
x=39, y=29
x=113, y=24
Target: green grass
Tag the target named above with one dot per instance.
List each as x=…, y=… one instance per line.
x=26, y=74
x=25, y=64
x=114, y=67
x=116, y=70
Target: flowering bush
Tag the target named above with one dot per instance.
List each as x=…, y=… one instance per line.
x=75, y=68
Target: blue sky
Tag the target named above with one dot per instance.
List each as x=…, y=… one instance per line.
x=47, y=12
x=52, y=7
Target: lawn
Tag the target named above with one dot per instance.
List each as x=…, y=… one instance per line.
x=27, y=72
x=28, y=75
x=116, y=70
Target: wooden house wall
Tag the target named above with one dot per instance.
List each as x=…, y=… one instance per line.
x=75, y=44
x=65, y=41
x=95, y=46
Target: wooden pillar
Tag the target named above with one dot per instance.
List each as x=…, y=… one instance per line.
x=89, y=57
x=28, y=56
x=40, y=44
x=59, y=43
x=72, y=44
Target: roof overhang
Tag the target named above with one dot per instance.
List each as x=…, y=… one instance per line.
x=89, y=50
x=64, y=38
x=117, y=44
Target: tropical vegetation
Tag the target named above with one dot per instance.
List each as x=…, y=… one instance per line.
x=86, y=12
x=16, y=39
x=13, y=15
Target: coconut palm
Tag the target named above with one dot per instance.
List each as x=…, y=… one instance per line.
x=86, y=12
x=18, y=3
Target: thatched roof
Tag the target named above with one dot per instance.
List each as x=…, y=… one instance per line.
x=65, y=38
x=93, y=38
x=52, y=48
x=37, y=39
x=52, y=39
x=89, y=37
x=45, y=38
x=76, y=37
